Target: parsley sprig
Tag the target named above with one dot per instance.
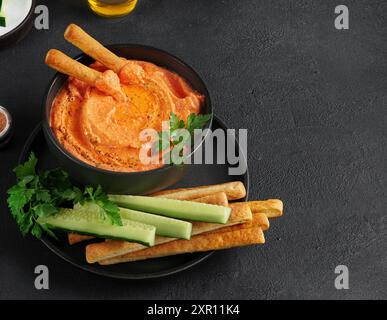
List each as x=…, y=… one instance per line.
x=194, y=121
x=44, y=193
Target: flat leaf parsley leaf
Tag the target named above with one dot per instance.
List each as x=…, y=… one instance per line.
x=44, y=193
x=194, y=121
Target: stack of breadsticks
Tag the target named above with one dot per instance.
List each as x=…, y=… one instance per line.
x=246, y=224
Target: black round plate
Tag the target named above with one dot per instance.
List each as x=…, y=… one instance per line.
x=152, y=268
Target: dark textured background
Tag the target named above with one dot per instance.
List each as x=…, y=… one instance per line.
x=315, y=102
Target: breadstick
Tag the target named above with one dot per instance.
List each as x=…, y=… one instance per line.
x=273, y=208
x=199, y=243
x=64, y=64
x=219, y=199
x=107, y=82
x=234, y=191
x=240, y=235
x=79, y=38
x=109, y=249
x=74, y=238
x=258, y=218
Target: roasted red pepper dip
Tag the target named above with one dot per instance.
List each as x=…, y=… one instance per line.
x=104, y=131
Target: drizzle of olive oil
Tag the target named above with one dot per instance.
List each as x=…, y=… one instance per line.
x=112, y=8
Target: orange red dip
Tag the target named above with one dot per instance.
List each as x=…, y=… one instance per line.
x=103, y=131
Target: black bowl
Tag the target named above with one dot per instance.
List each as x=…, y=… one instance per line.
x=19, y=32
x=144, y=182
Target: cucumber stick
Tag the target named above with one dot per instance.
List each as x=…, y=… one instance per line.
x=186, y=210
x=166, y=227
x=91, y=222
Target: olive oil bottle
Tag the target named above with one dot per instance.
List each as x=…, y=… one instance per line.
x=112, y=8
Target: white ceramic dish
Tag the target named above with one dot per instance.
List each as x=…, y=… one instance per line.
x=15, y=11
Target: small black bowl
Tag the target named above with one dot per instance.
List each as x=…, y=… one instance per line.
x=143, y=182
x=20, y=31
x=6, y=134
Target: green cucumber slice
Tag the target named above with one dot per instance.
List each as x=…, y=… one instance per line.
x=1, y=4
x=3, y=22
x=166, y=227
x=186, y=210
x=92, y=223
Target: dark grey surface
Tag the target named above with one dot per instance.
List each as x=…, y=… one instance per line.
x=314, y=101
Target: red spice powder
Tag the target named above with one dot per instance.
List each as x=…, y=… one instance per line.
x=3, y=121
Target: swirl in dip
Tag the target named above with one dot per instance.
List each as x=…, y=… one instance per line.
x=103, y=130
